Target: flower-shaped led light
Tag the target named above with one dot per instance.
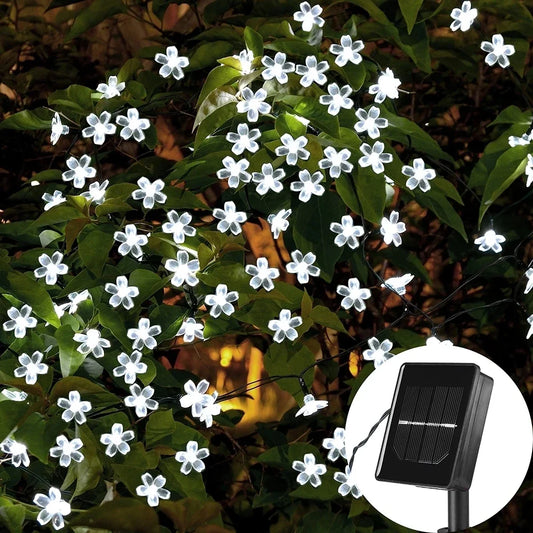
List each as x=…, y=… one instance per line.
x=529, y=170
x=152, y=489
x=149, y=192
x=253, y=104
x=190, y=329
x=347, y=233
x=498, y=51
x=121, y=292
x=80, y=170
x=268, y=179
x=220, y=302
x=347, y=483
x=192, y=458
x=132, y=125
x=244, y=139
x=99, y=127
x=234, y=171
x=398, y=283
x=178, y=226
x=51, y=268
x=172, y=63
x=111, y=88
x=54, y=508
x=378, y=352
x=386, y=87
x=117, y=440
x=184, y=270
x=262, y=274
x=523, y=140
x=370, y=122
x=284, y=326
x=230, y=218
x=56, y=198
x=19, y=321
x=144, y=334
x=530, y=322
x=311, y=406
x=308, y=185
x=463, y=18
x=141, y=399
x=58, y=129
x=131, y=242
x=347, y=51
x=91, y=342
x=246, y=58
x=391, y=229
x=354, y=295
x=309, y=470
x=278, y=222
x=15, y=395
x=490, y=241
x=312, y=71
x=74, y=407
x=195, y=396
x=418, y=175
x=302, y=266
x=31, y=367
x=337, y=162
x=373, y=156
x=76, y=298
x=209, y=409
x=529, y=276
x=96, y=192
x=67, y=450
x=277, y=68
x=17, y=450
x=293, y=148
x=336, y=445
x=309, y=16
x=130, y=366
x=337, y=98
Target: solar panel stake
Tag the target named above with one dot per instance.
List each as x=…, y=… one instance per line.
x=457, y=510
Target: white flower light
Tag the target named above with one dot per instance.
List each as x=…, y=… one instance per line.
x=253, y=104
x=96, y=192
x=347, y=482
x=131, y=243
x=337, y=162
x=244, y=139
x=278, y=222
x=20, y=321
x=183, y=269
x=309, y=470
x=153, y=488
x=309, y=16
x=80, y=170
x=15, y=395
x=54, y=508
x=51, y=268
x=58, y=128
x=262, y=274
x=337, y=98
x=398, y=284
x=178, y=225
x=99, y=127
x=312, y=71
x=53, y=199
x=268, y=179
x=132, y=125
x=91, y=341
x=308, y=185
x=192, y=458
x=497, y=51
x=220, y=302
x=529, y=276
x=31, y=367
x=354, y=295
x=386, y=87
x=144, y=334
x=149, y=192
x=347, y=232
x=230, y=218
x=74, y=407
x=277, y=67
x=209, y=409
x=111, y=88
x=530, y=322
x=117, y=440
x=463, y=18
x=246, y=58
x=293, y=149
x=374, y=156
x=172, y=63
x=141, y=399
x=490, y=241
x=391, y=229
x=311, y=406
x=523, y=140
x=370, y=122
x=302, y=266
x=195, y=396
x=378, y=352
x=190, y=329
x=130, y=366
x=234, y=171
x=347, y=51
x=529, y=170
x=336, y=445
x=418, y=175
x=17, y=450
x=284, y=326
x=67, y=450
x=121, y=292
x=434, y=342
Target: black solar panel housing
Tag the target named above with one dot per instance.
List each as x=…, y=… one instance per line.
x=435, y=426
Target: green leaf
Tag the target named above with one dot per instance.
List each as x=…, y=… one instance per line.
x=222, y=75
x=90, y=469
x=327, y=490
x=96, y=12
x=12, y=515
x=406, y=261
x=513, y=115
x=178, y=198
x=291, y=46
x=409, y=9
x=113, y=321
x=284, y=455
x=128, y=70
x=160, y=424
x=231, y=274
x=37, y=119
x=190, y=514
x=191, y=485
x=76, y=98
x=311, y=109
x=88, y=390
x=325, y=317
x=287, y=123
x=12, y=414
x=208, y=53
x=345, y=188
x=70, y=359
x=253, y=41
x=94, y=245
x=56, y=215
x=371, y=193
x=218, y=107
x=148, y=283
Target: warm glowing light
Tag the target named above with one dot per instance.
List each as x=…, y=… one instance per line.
x=354, y=364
